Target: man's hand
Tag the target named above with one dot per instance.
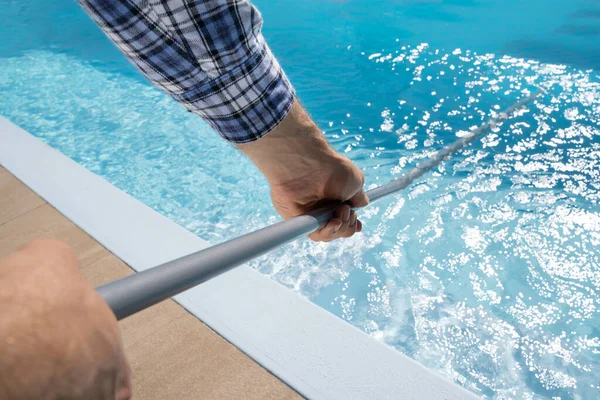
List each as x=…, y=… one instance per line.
x=58, y=338
x=305, y=173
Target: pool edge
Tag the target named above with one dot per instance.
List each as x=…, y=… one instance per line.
x=316, y=353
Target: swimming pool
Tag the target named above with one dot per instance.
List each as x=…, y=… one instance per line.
x=487, y=270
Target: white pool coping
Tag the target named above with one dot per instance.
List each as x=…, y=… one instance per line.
x=313, y=351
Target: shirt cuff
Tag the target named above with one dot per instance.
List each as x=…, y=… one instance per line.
x=247, y=102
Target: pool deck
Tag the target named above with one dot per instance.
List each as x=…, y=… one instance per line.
x=173, y=355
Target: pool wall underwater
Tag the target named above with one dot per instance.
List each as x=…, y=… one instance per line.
x=316, y=353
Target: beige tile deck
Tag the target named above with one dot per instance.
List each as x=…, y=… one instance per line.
x=172, y=354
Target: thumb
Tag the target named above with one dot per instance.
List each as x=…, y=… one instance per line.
x=360, y=199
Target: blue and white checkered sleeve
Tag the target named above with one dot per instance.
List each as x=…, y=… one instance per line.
x=209, y=55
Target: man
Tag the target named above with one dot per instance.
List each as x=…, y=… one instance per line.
x=59, y=338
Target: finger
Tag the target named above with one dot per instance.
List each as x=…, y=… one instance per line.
x=328, y=232
x=359, y=199
x=358, y=226
x=353, y=219
x=341, y=216
x=346, y=213
x=349, y=227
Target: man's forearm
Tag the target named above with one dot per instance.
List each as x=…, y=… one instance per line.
x=294, y=148
x=226, y=73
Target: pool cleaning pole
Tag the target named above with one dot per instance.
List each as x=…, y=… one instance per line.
x=136, y=292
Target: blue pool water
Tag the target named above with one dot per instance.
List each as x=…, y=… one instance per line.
x=487, y=270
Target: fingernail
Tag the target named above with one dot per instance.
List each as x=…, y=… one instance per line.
x=353, y=219
x=346, y=216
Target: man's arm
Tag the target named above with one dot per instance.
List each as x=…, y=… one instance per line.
x=210, y=56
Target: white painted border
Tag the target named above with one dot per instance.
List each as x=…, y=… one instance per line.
x=316, y=353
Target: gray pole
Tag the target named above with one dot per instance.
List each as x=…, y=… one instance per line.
x=136, y=292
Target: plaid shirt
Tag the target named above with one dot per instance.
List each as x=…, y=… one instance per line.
x=209, y=55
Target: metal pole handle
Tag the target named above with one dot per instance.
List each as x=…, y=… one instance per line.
x=136, y=292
